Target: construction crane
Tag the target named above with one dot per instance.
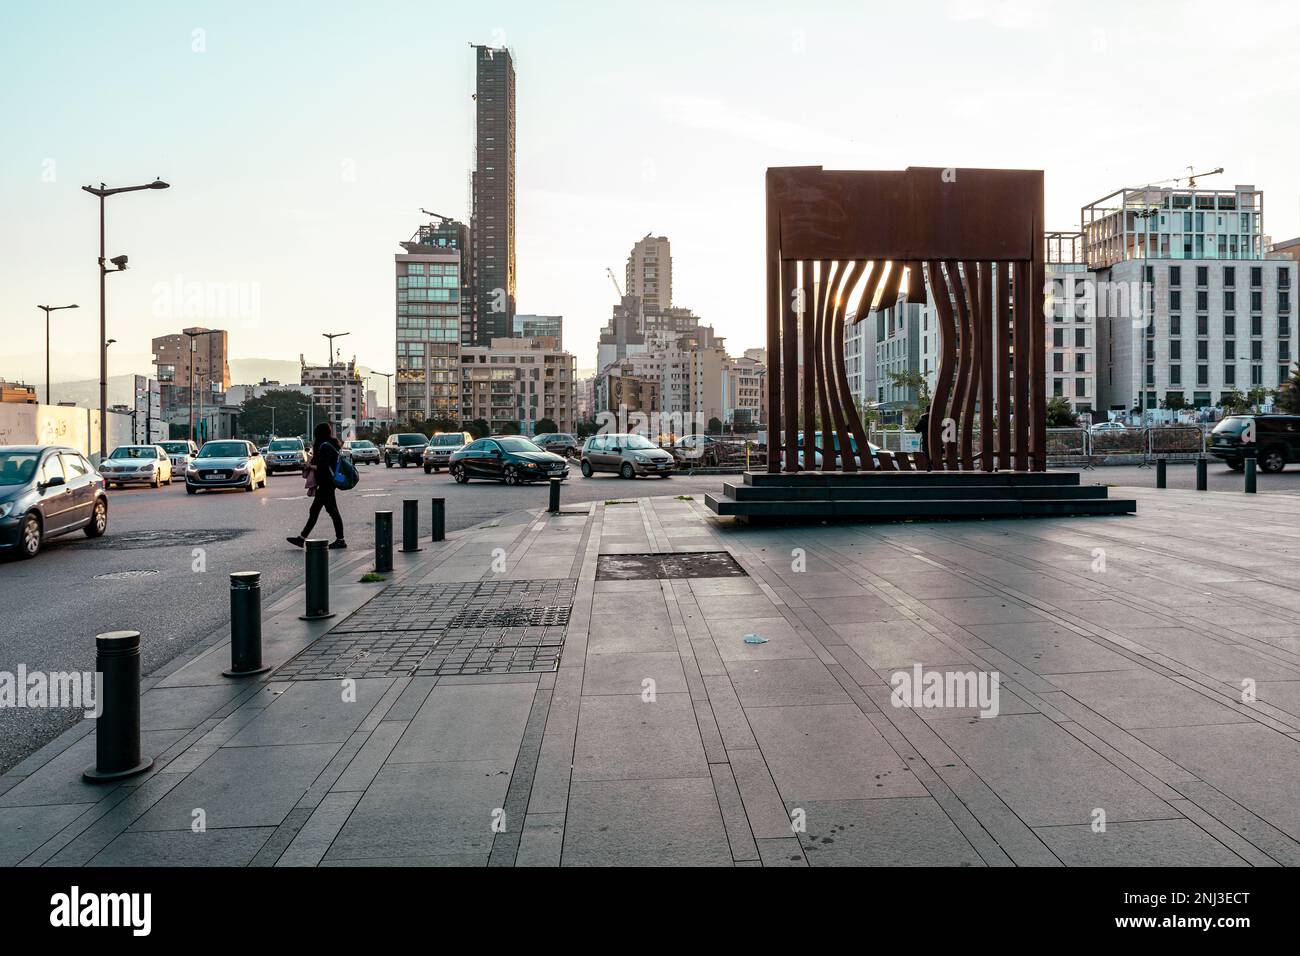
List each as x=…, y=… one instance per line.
x=437, y=215
x=613, y=279
x=1190, y=179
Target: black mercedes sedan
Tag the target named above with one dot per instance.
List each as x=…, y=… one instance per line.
x=509, y=458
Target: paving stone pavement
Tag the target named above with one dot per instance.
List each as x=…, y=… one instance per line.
x=1147, y=704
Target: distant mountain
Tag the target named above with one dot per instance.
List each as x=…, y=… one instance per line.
x=250, y=371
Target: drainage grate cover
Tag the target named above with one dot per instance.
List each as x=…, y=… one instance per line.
x=681, y=564
x=125, y=575
x=477, y=627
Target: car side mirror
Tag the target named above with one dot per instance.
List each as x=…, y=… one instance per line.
x=54, y=482
x=616, y=449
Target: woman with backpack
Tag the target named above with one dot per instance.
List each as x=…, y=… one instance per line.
x=321, y=486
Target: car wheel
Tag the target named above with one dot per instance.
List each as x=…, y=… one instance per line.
x=512, y=475
x=1236, y=465
x=251, y=484
x=460, y=476
x=29, y=542
x=665, y=474
x=1272, y=461
x=99, y=520
x=191, y=490
x=157, y=482
x=586, y=469
x=627, y=471
x=388, y=463
x=428, y=469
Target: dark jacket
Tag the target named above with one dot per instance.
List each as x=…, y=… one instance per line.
x=325, y=458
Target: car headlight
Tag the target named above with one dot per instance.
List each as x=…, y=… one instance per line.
x=242, y=467
x=6, y=509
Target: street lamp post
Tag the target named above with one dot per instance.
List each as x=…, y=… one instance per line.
x=103, y=192
x=389, y=390
x=48, y=309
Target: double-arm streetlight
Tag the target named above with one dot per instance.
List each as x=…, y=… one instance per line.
x=48, y=309
x=119, y=263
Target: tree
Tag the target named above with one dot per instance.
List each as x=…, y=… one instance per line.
x=1174, y=401
x=914, y=382
x=509, y=428
x=1288, y=396
x=256, y=416
x=546, y=427
x=1059, y=413
x=1257, y=396
x=1234, y=401
x=479, y=428
x=587, y=428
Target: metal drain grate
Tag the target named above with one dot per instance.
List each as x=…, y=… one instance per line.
x=126, y=575
x=679, y=564
x=477, y=627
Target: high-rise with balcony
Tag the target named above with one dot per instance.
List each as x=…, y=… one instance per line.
x=649, y=273
x=431, y=290
x=492, y=221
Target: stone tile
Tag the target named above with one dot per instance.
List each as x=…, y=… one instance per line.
x=785, y=851
x=1284, y=695
x=311, y=712
x=59, y=781
x=934, y=585
x=316, y=835
x=1232, y=663
x=606, y=674
x=855, y=609
x=1252, y=764
x=898, y=644
x=625, y=738
x=1145, y=843
x=424, y=810
x=983, y=610
x=630, y=605
x=1111, y=614
x=183, y=708
x=901, y=831
x=216, y=847
x=1048, y=648
x=241, y=787
x=725, y=606
x=24, y=829
x=615, y=634
x=1044, y=774
x=783, y=642
x=767, y=683
x=702, y=587
x=645, y=823
x=727, y=712
x=733, y=813
x=810, y=584
x=829, y=752
x=1142, y=698
x=467, y=722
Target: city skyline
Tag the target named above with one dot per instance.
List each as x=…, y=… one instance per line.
x=300, y=180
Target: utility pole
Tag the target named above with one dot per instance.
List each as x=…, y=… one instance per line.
x=47, y=310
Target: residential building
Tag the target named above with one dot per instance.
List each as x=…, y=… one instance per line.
x=430, y=306
x=1211, y=310
x=742, y=391
x=18, y=394
x=207, y=350
x=493, y=187
x=338, y=388
x=1072, y=323
x=649, y=273
x=533, y=326
x=517, y=381
x=623, y=335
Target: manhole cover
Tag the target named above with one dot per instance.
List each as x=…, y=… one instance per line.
x=125, y=575
x=682, y=564
x=476, y=627
x=164, y=538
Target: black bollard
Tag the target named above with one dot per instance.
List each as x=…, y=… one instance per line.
x=117, y=727
x=245, y=624
x=318, y=581
x=1160, y=473
x=383, y=541
x=554, y=507
x=410, y=526
x=439, y=519
x=1250, y=475
x=1202, y=479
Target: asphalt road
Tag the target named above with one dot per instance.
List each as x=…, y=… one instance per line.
x=1183, y=475
x=53, y=606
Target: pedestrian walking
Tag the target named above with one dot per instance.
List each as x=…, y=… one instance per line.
x=319, y=476
x=923, y=428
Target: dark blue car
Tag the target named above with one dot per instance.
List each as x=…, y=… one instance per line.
x=46, y=491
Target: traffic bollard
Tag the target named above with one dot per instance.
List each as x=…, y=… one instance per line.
x=383, y=541
x=318, y=581
x=554, y=506
x=1202, y=478
x=1160, y=473
x=245, y=624
x=117, y=698
x=1250, y=476
x=410, y=526
x=439, y=519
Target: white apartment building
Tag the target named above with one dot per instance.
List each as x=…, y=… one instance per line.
x=649, y=272
x=519, y=380
x=338, y=388
x=742, y=391
x=1218, y=310
x=1072, y=324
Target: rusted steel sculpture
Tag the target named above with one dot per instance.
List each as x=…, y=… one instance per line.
x=975, y=237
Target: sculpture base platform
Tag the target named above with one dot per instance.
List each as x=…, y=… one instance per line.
x=912, y=496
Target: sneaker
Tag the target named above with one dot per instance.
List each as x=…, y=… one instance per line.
x=340, y=543
x=296, y=541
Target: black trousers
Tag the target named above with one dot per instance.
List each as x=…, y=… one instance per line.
x=324, y=498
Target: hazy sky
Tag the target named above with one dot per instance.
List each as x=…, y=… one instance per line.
x=301, y=139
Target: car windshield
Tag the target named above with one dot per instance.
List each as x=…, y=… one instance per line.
x=1231, y=426
x=517, y=444
x=638, y=442
x=175, y=447
x=17, y=467
x=224, y=449
x=447, y=440
x=412, y=440
x=360, y=444
x=134, y=451
x=286, y=444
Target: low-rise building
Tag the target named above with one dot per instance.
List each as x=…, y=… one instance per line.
x=518, y=382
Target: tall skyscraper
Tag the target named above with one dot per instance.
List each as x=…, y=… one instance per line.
x=650, y=273
x=430, y=311
x=493, y=218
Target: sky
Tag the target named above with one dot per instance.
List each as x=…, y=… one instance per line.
x=302, y=138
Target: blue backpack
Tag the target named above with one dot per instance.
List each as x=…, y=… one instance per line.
x=345, y=474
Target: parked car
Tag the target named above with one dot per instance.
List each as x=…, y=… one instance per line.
x=817, y=446
x=405, y=448
x=509, y=458
x=362, y=452
x=706, y=450
x=1105, y=428
x=285, y=454
x=562, y=443
x=1275, y=444
x=181, y=452
x=437, y=454
x=627, y=455
x=47, y=491
x=226, y=463
x=142, y=464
